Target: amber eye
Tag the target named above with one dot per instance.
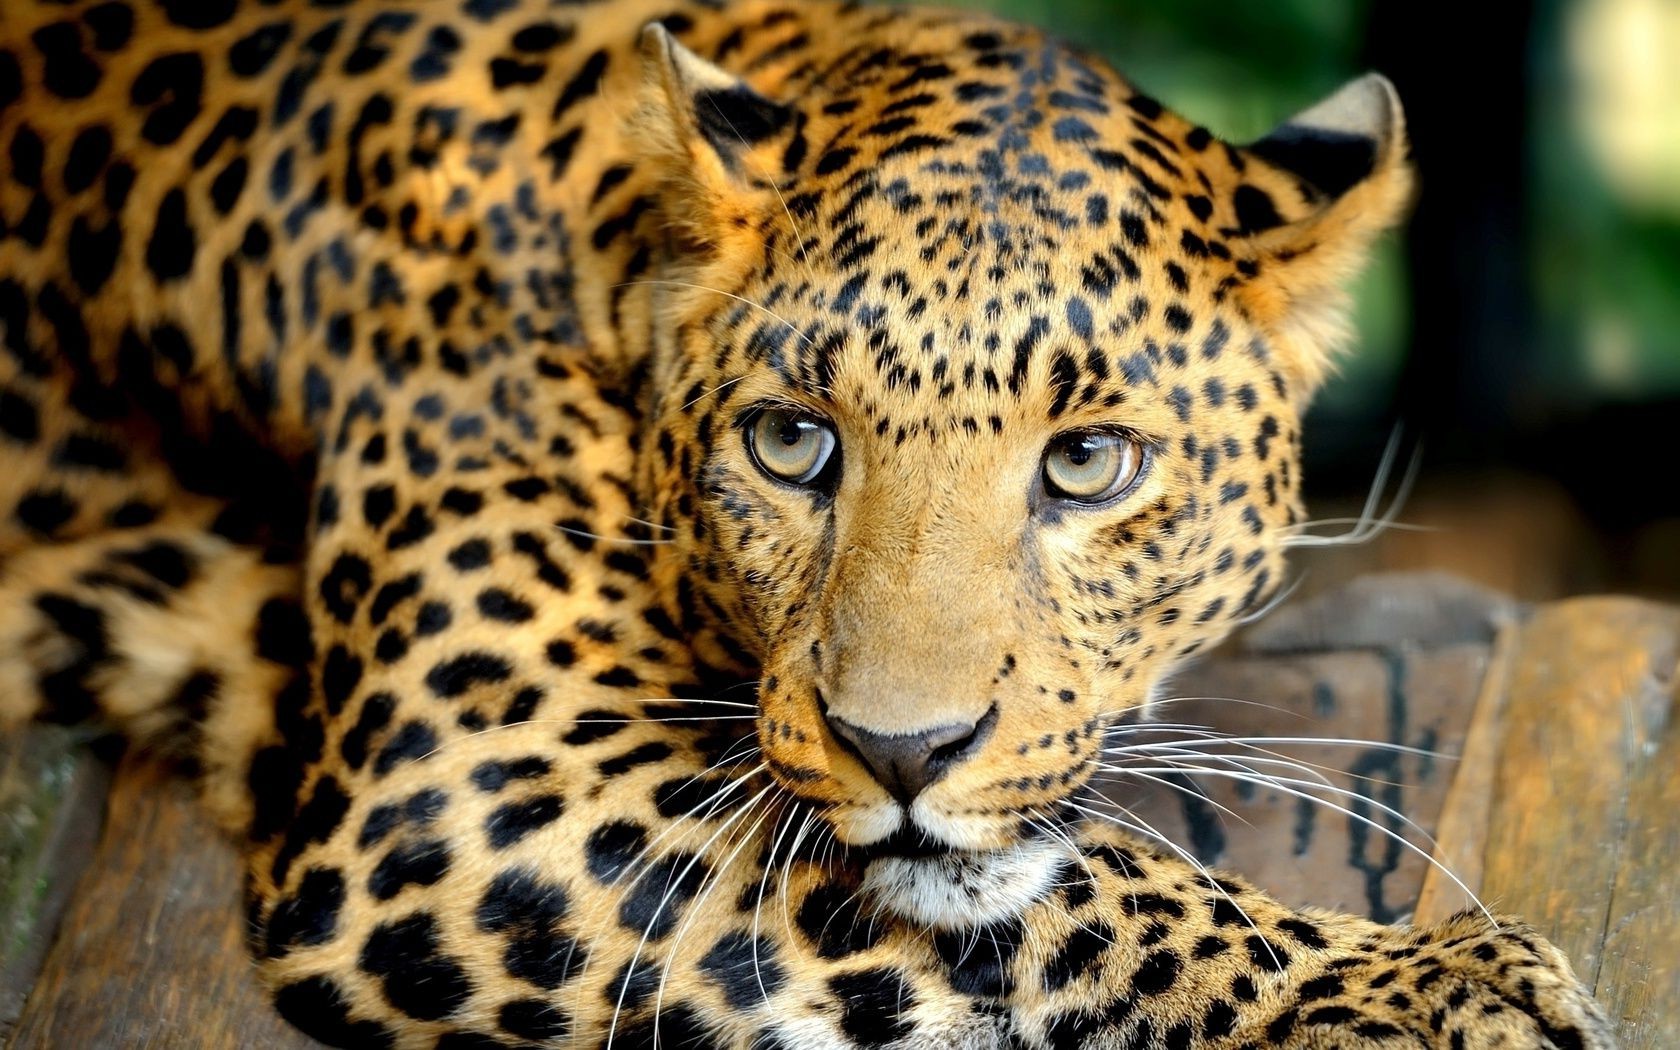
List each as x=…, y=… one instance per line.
x=791, y=446
x=1090, y=466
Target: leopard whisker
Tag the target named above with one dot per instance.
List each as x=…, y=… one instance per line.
x=1193, y=737
x=1052, y=827
x=637, y=867
x=862, y=915
x=1185, y=756
x=709, y=701
x=728, y=295
x=662, y=721
x=830, y=846
x=1379, y=482
x=622, y=540
x=626, y=720
x=1301, y=790
x=1255, y=776
x=1371, y=524
x=1284, y=593
x=758, y=905
x=799, y=240
x=1143, y=827
x=1058, y=830
x=1193, y=792
x=650, y=524
x=787, y=869
x=1086, y=864
x=640, y=863
x=1222, y=700
x=1141, y=728
x=725, y=385
x=713, y=878
x=1397, y=526
x=1316, y=769
x=1283, y=784
x=670, y=889
x=1334, y=741
x=710, y=804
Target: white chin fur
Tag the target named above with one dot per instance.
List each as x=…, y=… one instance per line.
x=863, y=825
x=959, y=891
x=954, y=830
x=966, y=1031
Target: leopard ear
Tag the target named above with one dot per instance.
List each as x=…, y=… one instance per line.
x=708, y=131
x=1347, y=157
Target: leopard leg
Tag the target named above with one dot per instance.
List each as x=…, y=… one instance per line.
x=1474, y=981
x=166, y=632
x=534, y=882
x=1144, y=950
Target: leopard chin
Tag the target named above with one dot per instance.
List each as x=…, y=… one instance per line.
x=955, y=890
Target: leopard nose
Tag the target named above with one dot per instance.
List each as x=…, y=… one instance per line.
x=906, y=763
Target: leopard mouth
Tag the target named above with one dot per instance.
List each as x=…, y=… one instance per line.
x=909, y=842
x=918, y=876
x=944, y=888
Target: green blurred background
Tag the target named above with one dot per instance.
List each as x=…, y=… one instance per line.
x=1524, y=330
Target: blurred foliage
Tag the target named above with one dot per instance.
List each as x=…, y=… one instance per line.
x=1606, y=264
x=1237, y=67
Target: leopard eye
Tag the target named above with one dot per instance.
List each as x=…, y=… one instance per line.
x=791, y=446
x=1091, y=466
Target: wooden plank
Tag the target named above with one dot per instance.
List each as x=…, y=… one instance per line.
x=150, y=952
x=1387, y=612
x=1639, y=976
x=1581, y=836
x=52, y=794
x=1469, y=801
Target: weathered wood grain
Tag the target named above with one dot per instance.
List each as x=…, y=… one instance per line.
x=1582, y=811
x=1639, y=971
x=150, y=952
x=1468, y=804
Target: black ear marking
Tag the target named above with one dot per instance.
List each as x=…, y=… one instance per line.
x=1340, y=141
x=1255, y=210
x=1333, y=162
x=711, y=102
x=738, y=115
x=1347, y=159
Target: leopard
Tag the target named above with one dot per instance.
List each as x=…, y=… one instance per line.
x=640, y=518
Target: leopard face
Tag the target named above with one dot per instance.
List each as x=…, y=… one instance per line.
x=977, y=410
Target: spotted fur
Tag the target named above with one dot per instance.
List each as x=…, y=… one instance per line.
x=373, y=434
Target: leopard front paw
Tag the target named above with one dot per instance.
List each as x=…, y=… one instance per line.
x=1516, y=982
x=1466, y=984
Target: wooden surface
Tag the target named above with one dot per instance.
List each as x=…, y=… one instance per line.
x=1576, y=825
x=52, y=794
x=1565, y=808
x=149, y=952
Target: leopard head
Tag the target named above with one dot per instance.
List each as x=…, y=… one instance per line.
x=975, y=410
